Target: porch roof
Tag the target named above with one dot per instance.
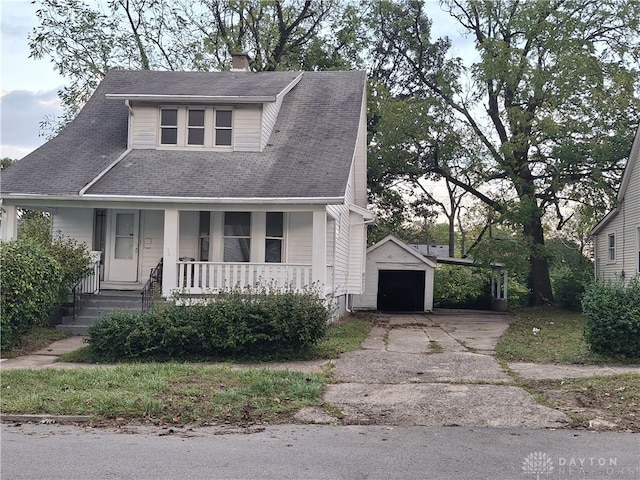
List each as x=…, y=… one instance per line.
x=309, y=154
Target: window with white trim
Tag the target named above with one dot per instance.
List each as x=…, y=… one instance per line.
x=611, y=247
x=237, y=237
x=274, y=238
x=196, y=127
x=169, y=126
x=204, y=236
x=224, y=130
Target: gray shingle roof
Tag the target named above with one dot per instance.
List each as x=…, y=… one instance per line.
x=309, y=153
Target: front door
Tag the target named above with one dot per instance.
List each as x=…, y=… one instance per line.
x=123, y=255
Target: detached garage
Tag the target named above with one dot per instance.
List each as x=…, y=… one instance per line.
x=398, y=279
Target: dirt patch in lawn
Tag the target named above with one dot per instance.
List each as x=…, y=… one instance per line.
x=594, y=403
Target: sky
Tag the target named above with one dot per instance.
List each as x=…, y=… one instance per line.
x=29, y=87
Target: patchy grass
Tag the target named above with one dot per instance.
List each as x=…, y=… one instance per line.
x=36, y=338
x=558, y=338
x=162, y=393
x=341, y=336
x=614, y=399
x=344, y=335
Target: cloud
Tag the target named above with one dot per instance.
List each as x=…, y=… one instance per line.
x=21, y=112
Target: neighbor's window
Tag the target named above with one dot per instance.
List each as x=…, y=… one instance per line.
x=223, y=131
x=195, y=127
x=204, y=236
x=274, y=237
x=611, y=247
x=169, y=126
x=237, y=236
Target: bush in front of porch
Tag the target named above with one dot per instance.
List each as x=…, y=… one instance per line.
x=250, y=322
x=30, y=280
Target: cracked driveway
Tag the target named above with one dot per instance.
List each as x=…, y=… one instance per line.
x=434, y=370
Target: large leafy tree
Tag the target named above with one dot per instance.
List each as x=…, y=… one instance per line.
x=84, y=39
x=551, y=101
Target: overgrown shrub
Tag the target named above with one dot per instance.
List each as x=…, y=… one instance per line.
x=461, y=287
x=569, y=286
x=29, y=280
x=612, y=311
x=251, y=322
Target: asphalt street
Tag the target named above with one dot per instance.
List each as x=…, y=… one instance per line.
x=32, y=451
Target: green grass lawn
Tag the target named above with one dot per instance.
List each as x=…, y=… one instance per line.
x=558, y=338
x=159, y=393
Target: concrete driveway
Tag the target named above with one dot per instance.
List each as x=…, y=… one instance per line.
x=434, y=370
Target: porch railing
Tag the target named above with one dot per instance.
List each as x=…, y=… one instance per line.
x=87, y=285
x=150, y=288
x=204, y=277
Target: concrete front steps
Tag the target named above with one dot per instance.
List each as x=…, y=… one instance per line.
x=98, y=304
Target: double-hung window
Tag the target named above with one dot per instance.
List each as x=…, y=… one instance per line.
x=611, y=247
x=274, y=237
x=195, y=126
x=223, y=129
x=237, y=236
x=169, y=126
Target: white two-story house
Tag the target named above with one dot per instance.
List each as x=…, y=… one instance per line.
x=228, y=178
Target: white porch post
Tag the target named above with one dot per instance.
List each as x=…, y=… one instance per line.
x=9, y=223
x=506, y=283
x=170, y=251
x=319, y=249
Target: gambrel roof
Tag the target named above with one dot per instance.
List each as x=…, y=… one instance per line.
x=308, y=155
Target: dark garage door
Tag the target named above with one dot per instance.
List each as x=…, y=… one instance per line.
x=401, y=290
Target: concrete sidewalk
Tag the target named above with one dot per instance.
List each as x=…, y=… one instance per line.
x=439, y=370
x=47, y=356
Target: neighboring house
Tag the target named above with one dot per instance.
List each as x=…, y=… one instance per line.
x=617, y=236
x=229, y=178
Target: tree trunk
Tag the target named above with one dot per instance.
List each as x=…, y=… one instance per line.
x=452, y=237
x=539, y=281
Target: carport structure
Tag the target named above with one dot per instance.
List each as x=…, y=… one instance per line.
x=400, y=279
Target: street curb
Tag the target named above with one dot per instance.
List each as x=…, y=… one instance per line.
x=40, y=418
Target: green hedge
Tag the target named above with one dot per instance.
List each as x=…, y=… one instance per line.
x=233, y=323
x=30, y=283
x=612, y=311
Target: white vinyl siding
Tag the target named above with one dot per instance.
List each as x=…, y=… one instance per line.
x=298, y=237
x=144, y=127
x=246, y=126
x=76, y=223
x=188, y=240
x=269, y=117
x=360, y=158
x=152, y=241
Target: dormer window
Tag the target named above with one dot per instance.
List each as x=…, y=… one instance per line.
x=223, y=127
x=196, y=127
x=195, y=132
x=169, y=126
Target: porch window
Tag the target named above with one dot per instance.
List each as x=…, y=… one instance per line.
x=274, y=237
x=237, y=236
x=195, y=128
x=169, y=126
x=223, y=128
x=204, y=236
x=611, y=247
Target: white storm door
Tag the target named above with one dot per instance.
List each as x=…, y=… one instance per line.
x=123, y=259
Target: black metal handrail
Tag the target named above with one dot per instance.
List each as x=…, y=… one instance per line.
x=150, y=288
x=87, y=285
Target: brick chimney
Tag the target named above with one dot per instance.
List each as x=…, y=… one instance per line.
x=240, y=62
